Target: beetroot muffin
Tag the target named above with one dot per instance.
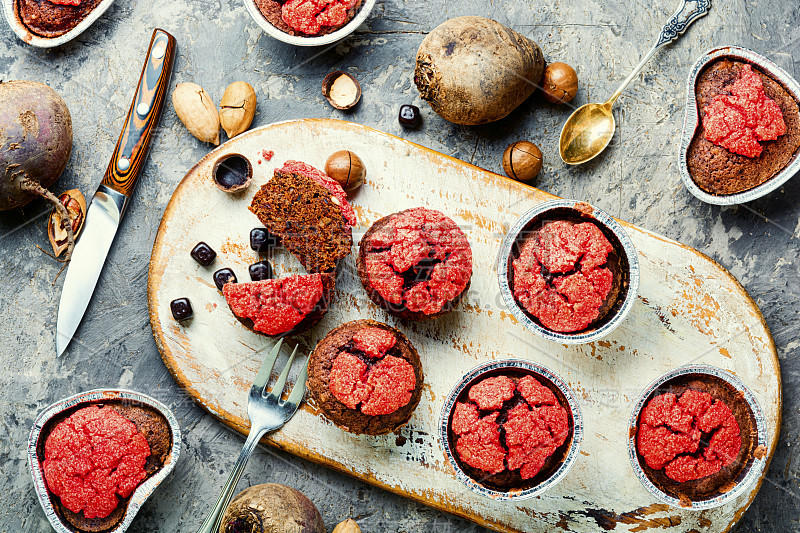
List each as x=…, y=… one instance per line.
x=307, y=18
x=366, y=377
x=694, y=437
x=309, y=212
x=569, y=272
x=415, y=264
x=136, y=438
x=725, y=159
x=53, y=19
x=285, y=306
x=509, y=430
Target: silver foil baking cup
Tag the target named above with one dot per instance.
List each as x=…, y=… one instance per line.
x=84, y=399
x=751, y=472
x=505, y=258
x=299, y=40
x=691, y=123
x=540, y=372
x=49, y=42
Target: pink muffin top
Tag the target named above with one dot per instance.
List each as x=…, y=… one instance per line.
x=560, y=275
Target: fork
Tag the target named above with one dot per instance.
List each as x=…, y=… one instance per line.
x=267, y=412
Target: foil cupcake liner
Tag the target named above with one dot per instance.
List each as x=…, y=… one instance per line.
x=38, y=41
x=505, y=258
x=691, y=123
x=298, y=40
x=83, y=399
x=540, y=372
x=751, y=472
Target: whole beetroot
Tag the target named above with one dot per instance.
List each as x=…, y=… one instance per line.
x=35, y=145
x=271, y=508
x=473, y=70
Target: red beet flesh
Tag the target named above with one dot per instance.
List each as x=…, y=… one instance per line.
x=275, y=306
x=739, y=120
x=420, y=259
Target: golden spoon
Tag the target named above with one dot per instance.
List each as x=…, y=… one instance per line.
x=590, y=128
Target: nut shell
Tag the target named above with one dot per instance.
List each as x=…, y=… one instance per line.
x=522, y=160
x=348, y=526
x=232, y=173
x=237, y=108
x=347, y=169
x=75, y=204
x=341, y=99
x=197, y=111
x=559, y=83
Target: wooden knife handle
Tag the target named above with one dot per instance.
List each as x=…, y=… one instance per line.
x=131, y=150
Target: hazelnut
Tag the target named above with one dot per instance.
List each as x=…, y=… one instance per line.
x=559, y=83
x=75, y=204
x=522, y=160
x=237, y=108
x=347, y=169
x=348, y=526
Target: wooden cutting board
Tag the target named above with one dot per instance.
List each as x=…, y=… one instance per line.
x=689, y=310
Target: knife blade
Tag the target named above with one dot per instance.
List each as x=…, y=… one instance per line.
x=109, y=202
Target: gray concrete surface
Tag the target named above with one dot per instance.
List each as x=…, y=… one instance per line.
x=637, y=180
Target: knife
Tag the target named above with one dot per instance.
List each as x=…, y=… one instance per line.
x=109, y=202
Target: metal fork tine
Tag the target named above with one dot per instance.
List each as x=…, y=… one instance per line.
x=260, y=382
x=266, y=413
x=299, y=387
x=277, y=389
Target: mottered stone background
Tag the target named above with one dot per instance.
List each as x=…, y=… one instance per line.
x=636, y=179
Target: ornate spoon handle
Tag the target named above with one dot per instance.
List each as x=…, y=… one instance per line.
x=689, y=11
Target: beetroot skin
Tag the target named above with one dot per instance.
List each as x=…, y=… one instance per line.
x=35, y=141
x=35, y=145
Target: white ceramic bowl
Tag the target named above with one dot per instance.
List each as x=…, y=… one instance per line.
x=547, y=378
x=84, y=399
x=49, y=42
x=756, y=461
x=691, y=123
x=341, y=33
x=610, y=227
